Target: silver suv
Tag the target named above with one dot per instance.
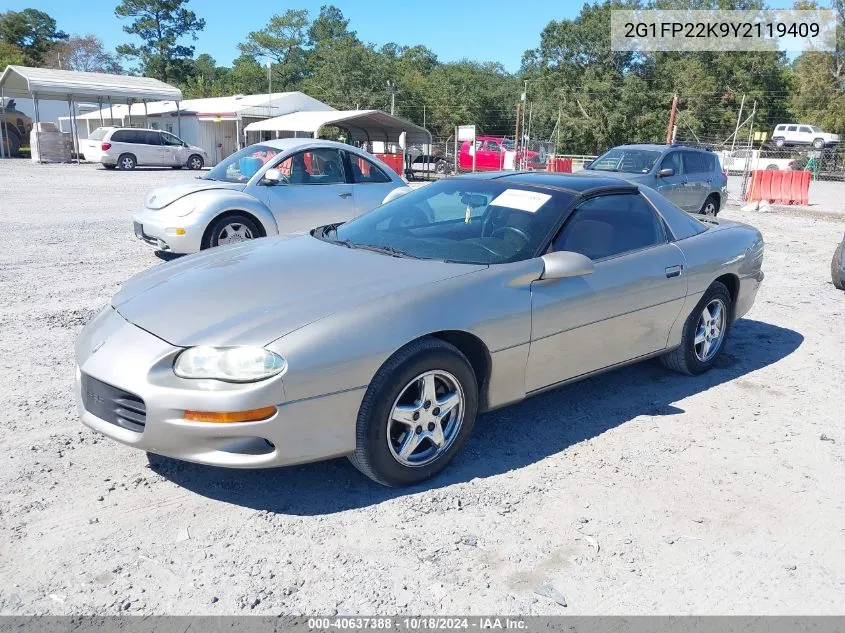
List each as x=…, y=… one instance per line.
x=690, y=177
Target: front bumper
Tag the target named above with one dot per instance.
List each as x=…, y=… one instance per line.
x=134, y=361
x=160, y=229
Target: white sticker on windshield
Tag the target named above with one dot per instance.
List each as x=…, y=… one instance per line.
x=520, y=199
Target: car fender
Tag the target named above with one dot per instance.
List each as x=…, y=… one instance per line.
x=210, y=204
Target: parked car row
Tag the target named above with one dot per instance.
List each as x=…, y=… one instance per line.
x=386, y=320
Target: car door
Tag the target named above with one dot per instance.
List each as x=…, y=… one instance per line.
x=622, y=311
x=370, y=184
x=492, y=155
x=173, y=150
x=699, y=178
x=805, y=134
x=673, y=187
x=315, y=191
x=149, y=150
x=791, y=135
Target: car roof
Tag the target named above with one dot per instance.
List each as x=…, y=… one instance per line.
x=573, y=183
x=291, y=143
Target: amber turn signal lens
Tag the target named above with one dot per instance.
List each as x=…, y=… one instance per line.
x=226, y=417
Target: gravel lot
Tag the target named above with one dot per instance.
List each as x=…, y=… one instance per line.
x=639, y=491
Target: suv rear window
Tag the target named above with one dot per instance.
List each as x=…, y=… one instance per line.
x=98, y=134
x=698, y=163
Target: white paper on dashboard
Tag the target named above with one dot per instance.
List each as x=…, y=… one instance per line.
x=520, y=199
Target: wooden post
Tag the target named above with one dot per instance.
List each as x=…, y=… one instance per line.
x=672, y=120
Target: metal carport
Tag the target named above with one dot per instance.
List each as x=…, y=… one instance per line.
x=361, y=125
x=70, y=85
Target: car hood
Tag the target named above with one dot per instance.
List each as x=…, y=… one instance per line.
x=258, y=291
x=163, y=196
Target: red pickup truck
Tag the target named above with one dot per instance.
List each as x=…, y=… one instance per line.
x=490, y=155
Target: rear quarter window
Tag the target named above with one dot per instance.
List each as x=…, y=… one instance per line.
x=125, y=136
x=98, y=134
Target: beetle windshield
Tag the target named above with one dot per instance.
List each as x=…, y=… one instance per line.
x=242, y=165
x=465, y=221
x=627, y=160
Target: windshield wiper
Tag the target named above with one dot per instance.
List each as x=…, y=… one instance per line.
x=388, y=250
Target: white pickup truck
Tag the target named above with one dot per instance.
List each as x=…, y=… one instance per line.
x=738, y=160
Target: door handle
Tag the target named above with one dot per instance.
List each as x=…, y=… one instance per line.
x=674, y=271
x=345, y=194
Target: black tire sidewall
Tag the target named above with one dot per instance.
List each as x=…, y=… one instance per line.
x=219, y=223
x=120, y=162
x=716, y=290
x=191, y=159
x=373, y=420
x=836, y=274
x=710, y=198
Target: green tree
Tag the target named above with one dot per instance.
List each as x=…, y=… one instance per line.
x=349, y=74
x=283, y=41
x=329, y=26
x=11, y=55
x=207, y=79
x=160, y=24
x=819, y=79
x=30, y=31
x=247, y=76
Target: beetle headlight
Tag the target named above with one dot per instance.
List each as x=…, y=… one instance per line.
x=183, y=207
x=232, y=364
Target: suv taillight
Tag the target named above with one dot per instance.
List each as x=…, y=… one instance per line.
x=105, y=146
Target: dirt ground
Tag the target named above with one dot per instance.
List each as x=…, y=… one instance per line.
x=639, y=491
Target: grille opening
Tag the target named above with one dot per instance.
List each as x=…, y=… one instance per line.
x=113, y=405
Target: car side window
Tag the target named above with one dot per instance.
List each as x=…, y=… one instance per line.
x=364, y=171
x=791, y=128
x=672, y=161
x=695, y=163
x=169, y=139
x=493, y=146
x=805, y=130
x=313, y=167
x=124, y=136
x=610, y=225
x=150, y=138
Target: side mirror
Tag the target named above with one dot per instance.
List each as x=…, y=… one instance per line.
x=562, y=264
x=666, y=172
x=272, y=177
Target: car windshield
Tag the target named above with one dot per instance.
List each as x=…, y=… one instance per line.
x=629, y=161
x=242, y=165
x=461, y=221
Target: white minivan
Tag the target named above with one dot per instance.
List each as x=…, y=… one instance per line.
x=127, y=147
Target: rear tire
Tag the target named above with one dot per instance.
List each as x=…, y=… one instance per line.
x=126, y=162
x=231, y=229
x=836, y=268
x=399, y=387
x=710, y=206
x=688, y=358
x=780, y=142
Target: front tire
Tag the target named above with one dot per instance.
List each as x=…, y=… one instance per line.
x=705, y=332
x=818, y=143
x=231, y=229
x=416, y=415
x=195, y=162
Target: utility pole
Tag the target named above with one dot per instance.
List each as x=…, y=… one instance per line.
x=672, y=113
x=750, y=154
x=519, y=141
x=516, y=133
x=738, y=119
x=269, y=88
x=392, y=87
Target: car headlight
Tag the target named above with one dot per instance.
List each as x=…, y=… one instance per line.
x=182, y=209
x=232, y=364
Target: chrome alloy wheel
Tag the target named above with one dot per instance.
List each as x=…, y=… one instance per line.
x=425, y=418
x=710, y=331
x=234, y=233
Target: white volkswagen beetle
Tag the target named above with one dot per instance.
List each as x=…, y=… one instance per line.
x=277, y=186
